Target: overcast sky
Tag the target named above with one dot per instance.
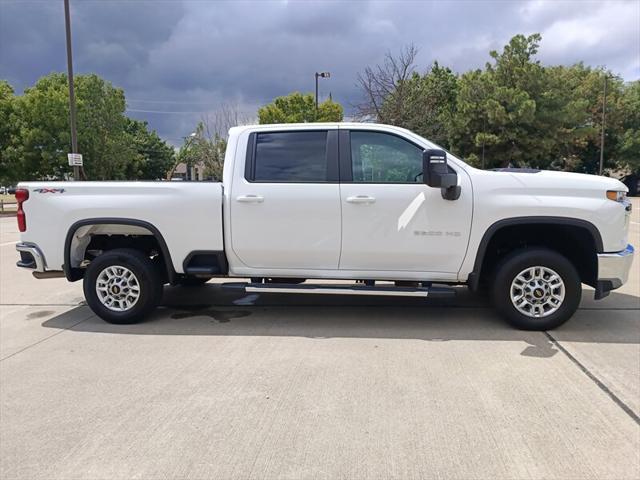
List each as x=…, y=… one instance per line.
x=189, y=56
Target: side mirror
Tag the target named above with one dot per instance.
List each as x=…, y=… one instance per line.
x=436, y=174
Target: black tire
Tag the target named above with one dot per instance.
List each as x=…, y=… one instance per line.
x=148, y=279
x=515, y=263
x=192, y=281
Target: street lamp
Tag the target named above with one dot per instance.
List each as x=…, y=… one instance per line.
x=318, y=75
x=187, y=144
x=189, y=168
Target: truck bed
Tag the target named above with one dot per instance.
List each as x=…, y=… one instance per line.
x=187, y=215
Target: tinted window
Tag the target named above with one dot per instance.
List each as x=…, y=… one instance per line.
x=291, y=157
x=382, y=158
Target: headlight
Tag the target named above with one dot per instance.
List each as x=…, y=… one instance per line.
x=616, y=195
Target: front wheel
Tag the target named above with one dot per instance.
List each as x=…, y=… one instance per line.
x=536, y=289
x=123, y=285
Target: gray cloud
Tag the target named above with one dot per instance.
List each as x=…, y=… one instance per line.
x=191, y=56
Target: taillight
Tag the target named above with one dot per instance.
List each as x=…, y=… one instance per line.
x=22, y=195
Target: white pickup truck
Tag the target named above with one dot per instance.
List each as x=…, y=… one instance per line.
x=378, y=207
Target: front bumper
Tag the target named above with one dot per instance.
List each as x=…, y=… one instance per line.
x=30, y=257
x=613, y=270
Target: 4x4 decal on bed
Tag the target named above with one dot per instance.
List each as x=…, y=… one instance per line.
x=49, y=190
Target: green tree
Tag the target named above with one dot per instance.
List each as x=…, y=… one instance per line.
x=385, y=87
x=629, y=146
x=517, y=112
x=589, y=92
x=507, y=91
x=426, y=102
x=42, y=116
x=43, y=120
x=102, y=138
x=300, y=108
x=113, y=146
x=470, y=134
x=9, y=152
x=204, y=147
x=514, y=111
x=154, y=157
x=565, y=117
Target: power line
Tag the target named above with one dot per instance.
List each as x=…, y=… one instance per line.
x=177, y=102
x=163, y=111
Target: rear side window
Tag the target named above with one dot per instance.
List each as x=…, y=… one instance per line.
x=291, y=157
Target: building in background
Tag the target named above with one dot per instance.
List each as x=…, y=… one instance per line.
x=192, y=173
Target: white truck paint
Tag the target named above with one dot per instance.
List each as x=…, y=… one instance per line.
x=337, y=229
x=188, y=218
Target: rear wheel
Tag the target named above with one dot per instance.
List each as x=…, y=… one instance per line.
x=122, y=286
x=536, y=289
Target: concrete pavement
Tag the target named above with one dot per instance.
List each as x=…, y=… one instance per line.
x=224, y=386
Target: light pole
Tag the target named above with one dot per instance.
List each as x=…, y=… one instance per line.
x=72, y=96
x=483, y=139
x=604, y=109
x=318, y=75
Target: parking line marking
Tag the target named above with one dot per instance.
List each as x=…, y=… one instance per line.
x=634, y=416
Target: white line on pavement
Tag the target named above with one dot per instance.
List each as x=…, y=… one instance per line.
x=8, y=243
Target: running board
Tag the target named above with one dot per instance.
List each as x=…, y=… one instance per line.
x=390, y=291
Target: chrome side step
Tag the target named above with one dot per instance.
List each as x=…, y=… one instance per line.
x=389, y=291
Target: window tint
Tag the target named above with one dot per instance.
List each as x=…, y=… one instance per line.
x=382, y=158
x=291, y=157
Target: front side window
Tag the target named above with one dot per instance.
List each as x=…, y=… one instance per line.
x=291, y=157
x=378, y=157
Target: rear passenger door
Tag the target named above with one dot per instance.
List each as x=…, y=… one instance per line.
x=285, y=211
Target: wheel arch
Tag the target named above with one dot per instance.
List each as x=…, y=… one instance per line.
x=73, y=273
x=512, y=223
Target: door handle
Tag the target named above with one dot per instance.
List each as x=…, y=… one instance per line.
x=361, y=199
x=250, y=198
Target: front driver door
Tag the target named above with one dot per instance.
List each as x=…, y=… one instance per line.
x=391, y=220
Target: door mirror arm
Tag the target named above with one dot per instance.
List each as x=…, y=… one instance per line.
x=451, y=193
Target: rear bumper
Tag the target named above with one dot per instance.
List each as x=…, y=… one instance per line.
x=30, y=257
x=613, y=270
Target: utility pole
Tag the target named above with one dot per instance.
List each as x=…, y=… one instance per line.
x=72, y=96
x=604, y=109
x=483, y=139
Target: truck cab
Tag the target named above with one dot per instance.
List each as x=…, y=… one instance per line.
x=343, y=202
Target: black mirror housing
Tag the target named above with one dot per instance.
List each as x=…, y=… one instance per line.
x=435, y=173
x=434, y=165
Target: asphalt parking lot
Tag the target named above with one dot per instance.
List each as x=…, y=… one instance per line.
x=239, y=386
